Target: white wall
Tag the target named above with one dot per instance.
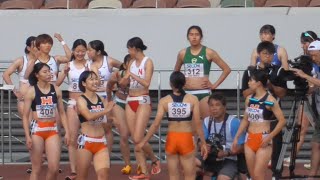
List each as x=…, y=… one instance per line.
x=233, y=33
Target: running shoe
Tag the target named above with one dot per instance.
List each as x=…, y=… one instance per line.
x=307, y=166
x=139, y=177
x=72, y=176
x=29, y=170
x=155, y=167
x=126, y=170
x=139, y=171
x=286, y=161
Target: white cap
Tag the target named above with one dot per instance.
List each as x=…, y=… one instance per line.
x=314, y=46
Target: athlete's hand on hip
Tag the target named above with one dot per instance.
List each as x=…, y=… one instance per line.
x=29, y=142
x=206, y=84
x=213, y=86
x=266, y=141
x=18, y=95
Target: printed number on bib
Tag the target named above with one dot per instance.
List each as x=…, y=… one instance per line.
x=53, y=76
x=194, y=70
x=134, y=84
x=179, y=110
x=46, y=111
x=255, y=115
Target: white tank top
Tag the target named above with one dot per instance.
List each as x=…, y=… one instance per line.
x=138, y=71
x=54, y=68
x=23, y=70
x=73, y=76
x=104, y=74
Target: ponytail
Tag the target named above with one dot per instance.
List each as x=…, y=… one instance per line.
x=104, y=53
x=178, y=80
x=181, y=91
x=121, y=68
x=33, y=79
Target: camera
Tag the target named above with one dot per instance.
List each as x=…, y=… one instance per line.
x=215, y=141
x=303, y=63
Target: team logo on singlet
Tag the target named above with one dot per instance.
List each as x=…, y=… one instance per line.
x=46, y=100
x=255, y=114
x=140, y=71
x=47, y=108
x=194, y=60
x=97, y=108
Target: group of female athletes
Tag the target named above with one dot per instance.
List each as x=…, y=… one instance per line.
x=100, y=96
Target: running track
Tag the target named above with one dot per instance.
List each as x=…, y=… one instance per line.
x=17, y=172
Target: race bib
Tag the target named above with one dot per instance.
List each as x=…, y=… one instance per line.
x=134, y=84
x=46, y=111
x=255, y=114
x=194, y=70
x=75, y=86
x=179, y=110
x=103, y=82
x=53, y=76
x=101, y=119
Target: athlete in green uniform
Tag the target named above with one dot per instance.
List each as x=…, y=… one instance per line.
x=118, y=111
x=197, y=61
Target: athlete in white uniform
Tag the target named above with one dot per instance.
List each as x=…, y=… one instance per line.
x=44, y=43
x=138, y=108
x=20, y=65
x=73, y=70
x=102, y=64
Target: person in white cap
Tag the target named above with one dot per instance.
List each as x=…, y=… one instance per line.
x=314, y=52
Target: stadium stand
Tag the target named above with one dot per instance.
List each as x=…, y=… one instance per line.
x=170, y=3
x=126, y=3
x=236, y=3
x=303, y=3
x=314, y=3
x=193, y=4
x=17, y=4
x=63, y=4
x=111, y=4
x=259, y=3
x=280, y=3
x=215, y=3
x=105, y=4
x=148, y=4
